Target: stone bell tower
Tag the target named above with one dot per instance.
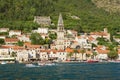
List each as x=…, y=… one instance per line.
x=60, y=34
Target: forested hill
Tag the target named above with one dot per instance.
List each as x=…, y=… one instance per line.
x=112, y=6
x=18, y=14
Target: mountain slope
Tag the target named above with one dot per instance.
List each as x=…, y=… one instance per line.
x=108, y=5
x=19, y=14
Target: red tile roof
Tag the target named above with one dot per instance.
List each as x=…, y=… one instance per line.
x=100, y=51
x=27, y=43
x=69, y=50
x=99, y=33
x=33, y=46
x=90, y=38
x=118, y=51
x=17, y=47
x=11, y=40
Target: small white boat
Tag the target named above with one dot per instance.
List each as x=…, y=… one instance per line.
x=3, y=62
x=41, y=64
x=46, y=63
x=30, y=65
x=50, y=64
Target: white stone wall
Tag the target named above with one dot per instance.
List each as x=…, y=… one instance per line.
x=24, y=38
x=52, y=54
x=62, y=56
x=43, y=30
x=22, y=56
x=102, y=56
x=32, y=54
x=2, y=37
x=12, y=32
x=4, y=51
x=4, y=29
x=43, y=56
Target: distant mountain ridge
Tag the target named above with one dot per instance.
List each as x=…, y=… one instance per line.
x=112, y=6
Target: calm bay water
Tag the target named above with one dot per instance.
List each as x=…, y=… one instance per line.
x=63, y=71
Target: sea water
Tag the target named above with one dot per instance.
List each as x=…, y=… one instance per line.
x=61, y=71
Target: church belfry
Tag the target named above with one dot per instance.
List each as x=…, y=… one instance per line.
x=60, y=33
x=60, y=23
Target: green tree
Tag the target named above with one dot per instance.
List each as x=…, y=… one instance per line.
x=70, y=54
x=47, y=41
x=13, y=54
x=113, y=55
x=94, y=55
x=94, y=45
x=36, y=39
x=76, y=52
x=102, y=41
x=82, y=52
x=53, y=36
x=20, y=43
x=2, y=41
x=87, y=56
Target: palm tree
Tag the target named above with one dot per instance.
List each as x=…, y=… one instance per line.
x=87, y=56
x=82, y=52
x=75, y=52
x=113, y=55
x=70, y=54
x=94, y=55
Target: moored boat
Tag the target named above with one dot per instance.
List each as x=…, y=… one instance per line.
x=30, y=65
x=92, y=61
x=46, y=63
x=3, y=62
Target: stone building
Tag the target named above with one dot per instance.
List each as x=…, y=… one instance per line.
x=43, y=21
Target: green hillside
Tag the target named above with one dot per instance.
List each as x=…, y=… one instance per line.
x=18, y=14
x=112, y=6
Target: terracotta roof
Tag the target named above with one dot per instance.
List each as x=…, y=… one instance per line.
x=118, y=51
x=69, y=50
x=27, y=43
x=88, y=52
x=33, y=46
x=11, y=40
x=12, y=47
x=60, y=50
x=90, y=38
x=43, y=50
x=17, y=47
x=6, y=46
x=100, y=51
x=75, y=42
x=99, y=33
